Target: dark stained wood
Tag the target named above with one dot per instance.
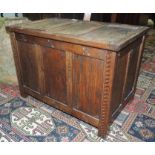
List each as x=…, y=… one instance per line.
x=87, y=84
x=113, y=17
x=94, y=34
x=69, y=79
x=17, y=63
x=140, y=51
x=105, y=111
x=54, y=62
x=86, y=69
x=65, y=46
x=120, y=70
x=29, y=64
x=130, y=72
x=125, y=68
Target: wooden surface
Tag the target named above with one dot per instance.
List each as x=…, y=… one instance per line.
x=92, y=84
x=97, y=34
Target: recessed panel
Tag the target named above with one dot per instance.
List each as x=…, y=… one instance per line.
x=87, y=84
x=54, y=62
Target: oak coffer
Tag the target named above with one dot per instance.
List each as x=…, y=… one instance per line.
x=86, y=69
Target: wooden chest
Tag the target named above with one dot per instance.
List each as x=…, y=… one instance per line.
x=86, y=69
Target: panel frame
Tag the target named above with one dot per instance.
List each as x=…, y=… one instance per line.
x=110, y=61
x=45, y=49
x=74, y=83
x=37, y=63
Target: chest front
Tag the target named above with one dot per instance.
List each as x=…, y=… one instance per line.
x=85, y=72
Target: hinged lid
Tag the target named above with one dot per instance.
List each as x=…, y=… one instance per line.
x=97, y=34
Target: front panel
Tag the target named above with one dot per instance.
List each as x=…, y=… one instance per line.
x=29, y=65
x=54, y=63
x=87, y=84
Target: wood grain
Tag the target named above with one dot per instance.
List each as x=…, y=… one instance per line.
x=95, y=34
x=86, y=69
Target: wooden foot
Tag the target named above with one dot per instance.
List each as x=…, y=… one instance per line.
x=24, y=95
x=102, y=132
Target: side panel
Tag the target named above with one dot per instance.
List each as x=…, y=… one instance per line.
x=119, y=78
x=131, y=72
x=126, y=73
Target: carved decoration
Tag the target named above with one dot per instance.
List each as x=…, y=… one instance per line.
x=107, y=88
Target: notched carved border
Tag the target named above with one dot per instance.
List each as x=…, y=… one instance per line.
x=107, y=93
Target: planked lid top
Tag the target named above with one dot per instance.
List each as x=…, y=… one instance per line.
x=96, y=34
